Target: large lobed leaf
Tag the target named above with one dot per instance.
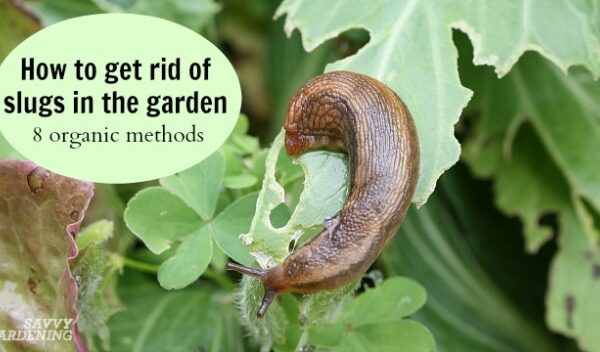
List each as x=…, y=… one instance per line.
x=449, y=246
x=541, y=148
x=194, y=15
x=411, y=50
x=40, y=213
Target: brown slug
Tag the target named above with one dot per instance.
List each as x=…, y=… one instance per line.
x=348, y=111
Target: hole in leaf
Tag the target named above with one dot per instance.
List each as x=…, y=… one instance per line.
x=351, y=41
x=549, y=220
x=280, y=215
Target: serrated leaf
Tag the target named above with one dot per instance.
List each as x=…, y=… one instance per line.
x=159, y=218
x=573, y=299
x=448, y=246
x=527, y=171
x=189, y=262
x=40, y=213
x=324, y=192
x=199, y=186
x=543, y=168
x=411, y=50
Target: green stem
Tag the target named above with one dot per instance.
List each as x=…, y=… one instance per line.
x=141, y=266
x=152, y=268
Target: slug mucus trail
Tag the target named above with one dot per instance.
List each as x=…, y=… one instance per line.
x=348, y=111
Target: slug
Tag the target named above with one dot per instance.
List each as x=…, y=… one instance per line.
x=348, y=111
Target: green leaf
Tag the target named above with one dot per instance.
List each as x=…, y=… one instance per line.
x=241, y=126
x=539, y=153
x=232, y=222
x=159, y=218
x=189, y=262
x=15, y=25
x=411, y=50
x=7, y=151
x=529, y=171
x=199, y=186
x=192, y=319
x=367, y=308
x=324, y=192
x=573, y=300
x=442, y=247
x=40, y=213
x=95, y=233
x=269, y=330
x=366, y=322
x=240, y=181
x=244, y=144
x=396, y=336
x=192, y=14
x=95, y=272
x=52, y=11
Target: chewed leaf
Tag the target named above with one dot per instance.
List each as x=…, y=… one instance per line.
x=159, y=218
x=323, y=195
x=411, y=50
x=573, y=297
x=40, y=212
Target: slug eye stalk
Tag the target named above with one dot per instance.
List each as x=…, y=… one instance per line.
x=260, y=274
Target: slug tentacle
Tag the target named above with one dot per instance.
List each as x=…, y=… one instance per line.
x=348, y=111
x=257, y=273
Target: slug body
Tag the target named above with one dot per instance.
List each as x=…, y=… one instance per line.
x=348, y=111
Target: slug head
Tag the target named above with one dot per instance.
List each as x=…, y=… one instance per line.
x=261, y=274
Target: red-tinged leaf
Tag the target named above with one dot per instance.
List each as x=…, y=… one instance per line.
x=40, y=213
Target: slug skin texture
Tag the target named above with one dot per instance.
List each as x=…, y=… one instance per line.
x=348, y=111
